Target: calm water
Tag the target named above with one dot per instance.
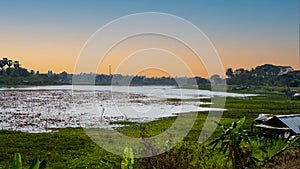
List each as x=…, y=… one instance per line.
x=41, y=108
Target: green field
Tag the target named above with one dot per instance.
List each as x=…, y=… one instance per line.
x=72, y=148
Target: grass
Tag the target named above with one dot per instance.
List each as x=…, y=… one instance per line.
x=72, y=148
x=122, y=122
x=261, y=89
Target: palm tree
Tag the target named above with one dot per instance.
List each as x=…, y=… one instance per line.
x=16, y=65
x=5, y=61
x=1, y=64
x=9, y=63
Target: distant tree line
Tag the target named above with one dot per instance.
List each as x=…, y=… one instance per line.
x=12, y=68
x=264, y=75
x=11, y=73
x=117, y=79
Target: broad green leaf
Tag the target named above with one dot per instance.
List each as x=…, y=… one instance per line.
x=17, y=162
x=35, y=164
x=241, y=122
x=238, y=125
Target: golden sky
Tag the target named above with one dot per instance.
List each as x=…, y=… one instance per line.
x=61, y=55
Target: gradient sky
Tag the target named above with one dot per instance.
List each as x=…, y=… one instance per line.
x=48, y=34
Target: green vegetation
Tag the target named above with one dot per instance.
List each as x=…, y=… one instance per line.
x=237, y=142
x=264, y=75
x=128, y=159
x=72, y=148
x=261, y=90
x=122, y=122
x=36, y=163
x=17, y=162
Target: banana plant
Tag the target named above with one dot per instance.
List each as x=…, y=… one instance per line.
x=237, y=142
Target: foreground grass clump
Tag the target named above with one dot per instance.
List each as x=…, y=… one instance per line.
x=67, y=148
x=36, y=163
x=72, y=148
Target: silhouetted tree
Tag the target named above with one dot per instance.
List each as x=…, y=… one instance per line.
x=9, y=63
x=229, y=72
x=5, y=61
x=16, y=65
x=2, y=64
x=32, y=72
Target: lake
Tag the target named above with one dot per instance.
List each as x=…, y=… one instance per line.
x=42, y=108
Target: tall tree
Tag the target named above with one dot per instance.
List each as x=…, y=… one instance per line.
x=16, y=65
x=229, y=72
x=1, y=64
x=9, y=63
x=5, y=61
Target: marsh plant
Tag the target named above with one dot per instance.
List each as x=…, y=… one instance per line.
x=36, y=163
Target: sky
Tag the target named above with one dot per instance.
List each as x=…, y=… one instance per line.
x=49, y=34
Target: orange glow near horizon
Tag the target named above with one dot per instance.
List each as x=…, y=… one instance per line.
x=62, y=56
x=153, y=73
x=144, y=52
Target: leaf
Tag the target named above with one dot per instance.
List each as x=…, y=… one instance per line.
x=221, y=126
x=247, y=139
x=237, y=125
x=255, y=159
x=17, y=162
x=228, y=132
x=214, y=141
x=124, y=163
x=262, y=149
x=225, y=149
x=128, y=158
x=223, y=146
x=43, y=164
x=35, y=164
x=240, y=122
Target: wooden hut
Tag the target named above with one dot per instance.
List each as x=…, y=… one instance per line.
x=278, y=125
